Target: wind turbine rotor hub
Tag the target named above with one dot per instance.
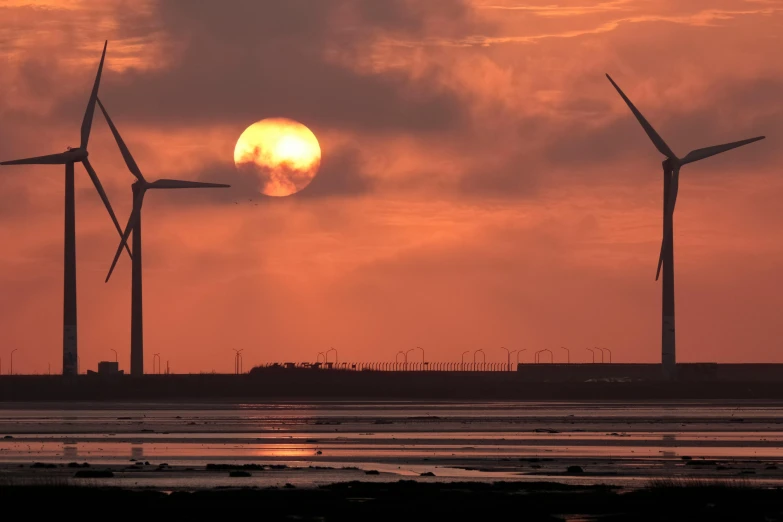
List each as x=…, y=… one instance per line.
x=77, y=153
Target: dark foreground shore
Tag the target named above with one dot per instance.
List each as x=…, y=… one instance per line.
x=339, y=385
x=409, y=500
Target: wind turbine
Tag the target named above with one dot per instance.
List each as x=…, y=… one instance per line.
x=140, y=187
x=69, y=158
x=671, y=175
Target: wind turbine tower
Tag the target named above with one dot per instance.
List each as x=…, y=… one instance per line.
x=139, y=188
x=69, y=158
x=671, y=175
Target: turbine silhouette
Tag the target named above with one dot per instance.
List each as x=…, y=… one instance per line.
x=671, y=178
x=140, y=187
x=68, y=158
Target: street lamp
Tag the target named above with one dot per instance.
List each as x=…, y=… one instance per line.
x=602, y=354
x=406, y=357
x=483, y=357
x=397, y=357
x=115, y=354
x=591, y=351
x=463, y=359
x=331, y=349
x=154, y=356
x=520, y=353
x=12, y=360
x=551, y=355
x=508, y=356
x=608, y=350
x=422, y=354
x=568, y=354
x=318, y=357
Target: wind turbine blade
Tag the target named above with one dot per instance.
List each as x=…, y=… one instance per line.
x=51, y=159
x=706, y=152
x=87, y=122
x=177, y=184
x=132, y=220
x=104, y=197
x=654, y=136
x=674, y=189
x=129, y=161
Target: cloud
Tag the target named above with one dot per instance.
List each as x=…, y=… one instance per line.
x=340, y=175
x=264, y=59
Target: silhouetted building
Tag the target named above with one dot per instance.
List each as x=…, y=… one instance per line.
x=107, y=368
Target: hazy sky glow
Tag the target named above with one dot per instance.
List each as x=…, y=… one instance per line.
x=481, y=185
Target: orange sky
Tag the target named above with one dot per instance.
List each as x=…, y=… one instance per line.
x=482, y=184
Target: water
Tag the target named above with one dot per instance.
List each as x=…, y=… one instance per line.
x=614, y=442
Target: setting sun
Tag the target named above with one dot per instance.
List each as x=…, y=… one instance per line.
x=282, y=153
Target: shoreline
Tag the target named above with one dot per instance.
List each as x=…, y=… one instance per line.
x=335, y=386
x=414, y=500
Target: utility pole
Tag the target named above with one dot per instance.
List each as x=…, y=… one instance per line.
x=238, y=361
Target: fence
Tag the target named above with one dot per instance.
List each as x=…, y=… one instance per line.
x=399, y=366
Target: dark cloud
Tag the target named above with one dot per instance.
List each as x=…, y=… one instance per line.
x=248, y=59
x=340, y=174
x=736, y=110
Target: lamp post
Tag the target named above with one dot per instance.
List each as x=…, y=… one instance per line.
x=406, y=357
x=463, y=359
x=12, y=360
x=318, y=357
x=551, y=355
x=331, y=349
x=568, y=354
x=155, y=356
x=608, y=350
x=591, y=351
x=483, y=357
x=422, y=354
x=508, y=356
x=512, y=352
x=602, y=353
x=520, y=353
x=115, y=354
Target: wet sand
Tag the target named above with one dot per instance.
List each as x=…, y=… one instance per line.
x=179, y=447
